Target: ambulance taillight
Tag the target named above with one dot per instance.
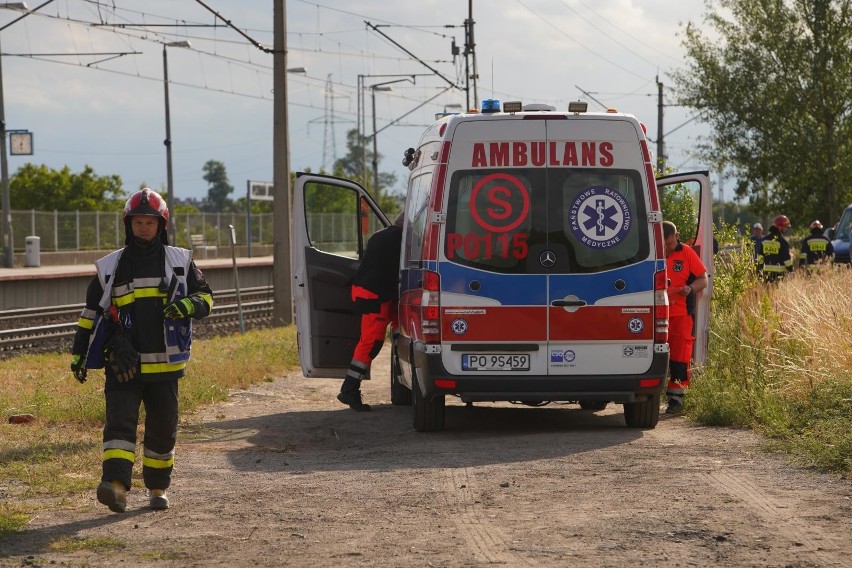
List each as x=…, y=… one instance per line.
x=661, y=307
x=430, y=308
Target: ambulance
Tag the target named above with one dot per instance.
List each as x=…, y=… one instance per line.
x=532, y=267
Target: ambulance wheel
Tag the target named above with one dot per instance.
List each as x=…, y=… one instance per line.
x=428, y=414
x=593, y=405
x=400, y=395
x=644, y=414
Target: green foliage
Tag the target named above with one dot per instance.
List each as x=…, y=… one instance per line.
x=219, y=187
x=779, y=360
x=357, y=165
x=45, y=189
x=12, y=519
x=680, y=206
x=774, y=81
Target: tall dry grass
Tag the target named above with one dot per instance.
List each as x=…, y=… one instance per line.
x=780, y=361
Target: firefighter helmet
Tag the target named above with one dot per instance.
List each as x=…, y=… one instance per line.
x=781, y=221
x=816, y=225
x=146, y=201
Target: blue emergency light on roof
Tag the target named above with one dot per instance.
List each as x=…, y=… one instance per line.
x=490, y=105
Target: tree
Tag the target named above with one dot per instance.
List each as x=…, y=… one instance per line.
x=217, y=178
x=45, y=189
x=357, y=165
x=777, y=89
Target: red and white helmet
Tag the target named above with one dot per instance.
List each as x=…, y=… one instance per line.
x=146, y=201
x=782, y=222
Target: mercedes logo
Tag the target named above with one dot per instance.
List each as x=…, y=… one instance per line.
x=547, y=258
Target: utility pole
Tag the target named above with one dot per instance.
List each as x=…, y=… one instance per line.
x=282, y=311
x=470, y=52
x=661, y=148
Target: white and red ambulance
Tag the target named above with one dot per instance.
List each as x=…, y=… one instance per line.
x=532, y=265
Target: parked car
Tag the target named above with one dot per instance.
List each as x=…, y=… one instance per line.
x=839, y=235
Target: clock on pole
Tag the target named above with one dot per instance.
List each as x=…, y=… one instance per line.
x=20, y=143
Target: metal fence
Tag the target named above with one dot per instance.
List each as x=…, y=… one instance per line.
x=102, y=230
x=99, y=230
x=338, y=232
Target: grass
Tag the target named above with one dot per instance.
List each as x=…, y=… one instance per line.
x=58, y=455
x=779, y=362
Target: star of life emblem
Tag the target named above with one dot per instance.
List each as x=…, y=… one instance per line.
x=600, y=217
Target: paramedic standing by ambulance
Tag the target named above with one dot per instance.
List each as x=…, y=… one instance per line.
x=136, y=324
x=375, y=291
x=687, y=276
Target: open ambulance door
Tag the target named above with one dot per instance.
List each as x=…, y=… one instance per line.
x=686, y=200
x=332, y=220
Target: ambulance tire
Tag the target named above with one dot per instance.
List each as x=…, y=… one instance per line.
x=400, y=395
x=643, y=414
x=593, y=405
x=428, y=414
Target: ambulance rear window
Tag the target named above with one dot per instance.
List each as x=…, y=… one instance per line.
x=506, y=220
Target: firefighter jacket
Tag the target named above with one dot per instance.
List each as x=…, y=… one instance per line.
x=140, y=282
x=774, y=259
x=815, y=248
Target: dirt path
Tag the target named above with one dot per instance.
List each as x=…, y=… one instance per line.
x=284, y=475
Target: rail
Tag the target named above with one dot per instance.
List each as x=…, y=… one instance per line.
x=52, y=328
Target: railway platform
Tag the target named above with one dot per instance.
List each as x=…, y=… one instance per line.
x=31, y=287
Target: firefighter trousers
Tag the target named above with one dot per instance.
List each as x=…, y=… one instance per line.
x=122, y=417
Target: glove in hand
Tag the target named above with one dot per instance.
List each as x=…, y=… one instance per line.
x=78, y=367
x=123, y=358
x=179, y=309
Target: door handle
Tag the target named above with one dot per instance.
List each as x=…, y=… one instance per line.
x=568, y=303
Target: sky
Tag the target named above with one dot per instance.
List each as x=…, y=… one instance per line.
x=86, y=77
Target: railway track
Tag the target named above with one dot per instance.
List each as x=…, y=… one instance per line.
x=52, y=328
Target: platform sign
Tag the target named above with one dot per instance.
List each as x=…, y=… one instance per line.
x=260, y=190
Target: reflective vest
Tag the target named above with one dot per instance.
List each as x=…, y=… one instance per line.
x=177, y=334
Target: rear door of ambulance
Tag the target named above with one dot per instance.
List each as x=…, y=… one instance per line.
x=547, y=266
x=601, y=285
x=687, y=199
x=493, y=287
x=332, y=219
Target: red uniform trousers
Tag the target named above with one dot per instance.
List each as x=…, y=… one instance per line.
x=374, y=326
x=680, y=353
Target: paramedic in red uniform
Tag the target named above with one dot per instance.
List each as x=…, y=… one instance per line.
x=375, y=291
x=152, y=291
x=687, y=276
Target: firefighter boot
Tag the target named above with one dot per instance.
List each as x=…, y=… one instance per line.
x=158, y=499
x=350, y=394
x=113, y=494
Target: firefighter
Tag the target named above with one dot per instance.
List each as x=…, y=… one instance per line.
x=687, y=276
x=816, y=248
x=375, y=291
x=137, y=325
x=774, y=259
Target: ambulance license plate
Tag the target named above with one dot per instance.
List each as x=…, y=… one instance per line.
x=495, y=362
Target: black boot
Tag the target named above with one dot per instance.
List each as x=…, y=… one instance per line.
x=350, y=394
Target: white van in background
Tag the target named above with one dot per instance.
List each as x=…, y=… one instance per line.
x=532, y=267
